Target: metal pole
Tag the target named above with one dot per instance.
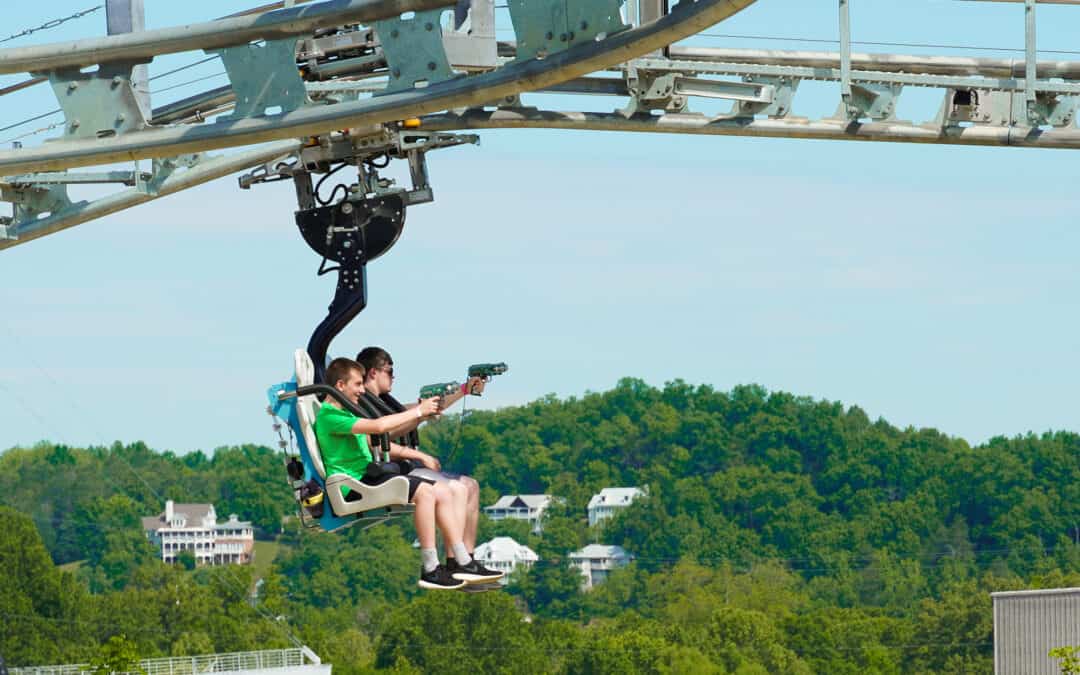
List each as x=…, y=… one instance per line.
x=1029, y=52
x=128, y=16
x=845, y=52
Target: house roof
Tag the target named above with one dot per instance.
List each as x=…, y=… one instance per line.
x=521, y=502
x=601, y=551
x=617, y=496
x=193, y=513
x=505, y=548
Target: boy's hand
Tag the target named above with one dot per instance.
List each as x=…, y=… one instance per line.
x=428, y=407
x=430, y=462
x=476, y=385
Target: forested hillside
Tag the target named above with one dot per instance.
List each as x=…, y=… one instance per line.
x=781, y=534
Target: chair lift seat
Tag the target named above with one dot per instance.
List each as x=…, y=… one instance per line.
x=391, y=493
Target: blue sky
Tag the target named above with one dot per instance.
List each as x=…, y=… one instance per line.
x=932, y=286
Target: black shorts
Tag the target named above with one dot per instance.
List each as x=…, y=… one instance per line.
x=377, y=474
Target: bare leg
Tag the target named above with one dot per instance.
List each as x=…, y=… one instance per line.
x=424, y=516
x=446, y=514
x=472, y=511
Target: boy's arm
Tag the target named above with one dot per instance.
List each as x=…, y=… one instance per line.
x=474, y=386
x=402, y=452
x=387, y=424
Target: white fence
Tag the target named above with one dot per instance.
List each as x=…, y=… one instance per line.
x=193, y=665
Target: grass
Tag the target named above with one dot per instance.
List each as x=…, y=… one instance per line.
x=265, y=552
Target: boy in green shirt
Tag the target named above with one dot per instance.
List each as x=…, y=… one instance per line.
x=343, y=444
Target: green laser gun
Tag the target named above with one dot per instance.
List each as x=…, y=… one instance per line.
x=440, y=389
x=487, y=370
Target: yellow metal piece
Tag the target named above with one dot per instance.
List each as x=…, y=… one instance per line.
x=411, y=123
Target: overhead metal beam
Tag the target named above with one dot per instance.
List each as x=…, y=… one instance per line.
x=204, y=172
x=837, y=130
x=887, y=63
x=574, y=62
x=145, y=45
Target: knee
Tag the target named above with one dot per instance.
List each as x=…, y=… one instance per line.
x=471, y=485
x=422, y=494
x=442, y=491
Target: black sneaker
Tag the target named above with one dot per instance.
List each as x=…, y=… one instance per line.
x=473, y=573
x=439, y=579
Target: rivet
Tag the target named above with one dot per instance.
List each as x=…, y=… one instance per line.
x=396, y=73
x=571, y=35
x=428, y=26
x=431, y=65
x=72, y=86
x=562, y=38
x=548, y=35
x=584, y=25
x=394, y=33
x=116, y=80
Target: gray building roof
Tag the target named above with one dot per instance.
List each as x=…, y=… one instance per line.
x=193, y=514
x=521, y=502
x=617, y=496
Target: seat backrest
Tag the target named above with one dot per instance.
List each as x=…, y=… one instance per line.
x=306, y=408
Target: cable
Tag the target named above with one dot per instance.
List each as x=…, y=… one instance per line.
x=53, y=23
x=184, y=84
x=181, y=68
x=319, y=184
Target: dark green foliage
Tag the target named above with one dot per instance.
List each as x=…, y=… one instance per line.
x=779, y=534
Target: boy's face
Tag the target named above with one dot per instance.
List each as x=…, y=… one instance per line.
x=352, y=386
x=382, y=378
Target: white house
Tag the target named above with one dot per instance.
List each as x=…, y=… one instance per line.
x=604, y=504
x=520, y=507
x=194, y=527
x=504, y=554
x=597, y=560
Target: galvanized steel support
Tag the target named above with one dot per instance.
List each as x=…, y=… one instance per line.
x=581, y=59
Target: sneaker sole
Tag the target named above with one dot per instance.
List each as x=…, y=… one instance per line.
x=473, y=579
x=481, y=588
x=439, y=587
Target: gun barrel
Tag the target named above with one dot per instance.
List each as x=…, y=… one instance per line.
x=487, y=369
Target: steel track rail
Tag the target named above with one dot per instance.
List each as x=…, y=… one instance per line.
x=837, y=130
x=887, y=63
x=142, y=46
x=208, y=170
x=475, y=90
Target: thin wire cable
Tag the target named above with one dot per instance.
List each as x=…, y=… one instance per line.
x=52, y=23
x=184, y=84
x=183, y=68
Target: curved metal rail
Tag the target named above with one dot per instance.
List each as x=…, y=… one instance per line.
x=475, y=90
x=834, y=129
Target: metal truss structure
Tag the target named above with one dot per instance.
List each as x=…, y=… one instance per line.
x=315, y=87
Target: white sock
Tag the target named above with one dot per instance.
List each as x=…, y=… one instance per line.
x=461, y=554
x=429, y=558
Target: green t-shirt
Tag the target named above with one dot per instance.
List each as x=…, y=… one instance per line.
x=342, y=450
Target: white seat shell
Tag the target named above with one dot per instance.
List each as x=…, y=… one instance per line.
x=393, y=492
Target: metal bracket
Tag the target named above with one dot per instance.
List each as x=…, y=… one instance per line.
x=264, y=78
x=31, y=202
x=97, y=104
x=651, y=90
x=779, y=103
x=472, y=46
x=876, y=101
x=163, y=169
x=1007, y=109
x=546, y=27
x=414, y=51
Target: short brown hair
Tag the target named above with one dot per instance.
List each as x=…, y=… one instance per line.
x=339, y=370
